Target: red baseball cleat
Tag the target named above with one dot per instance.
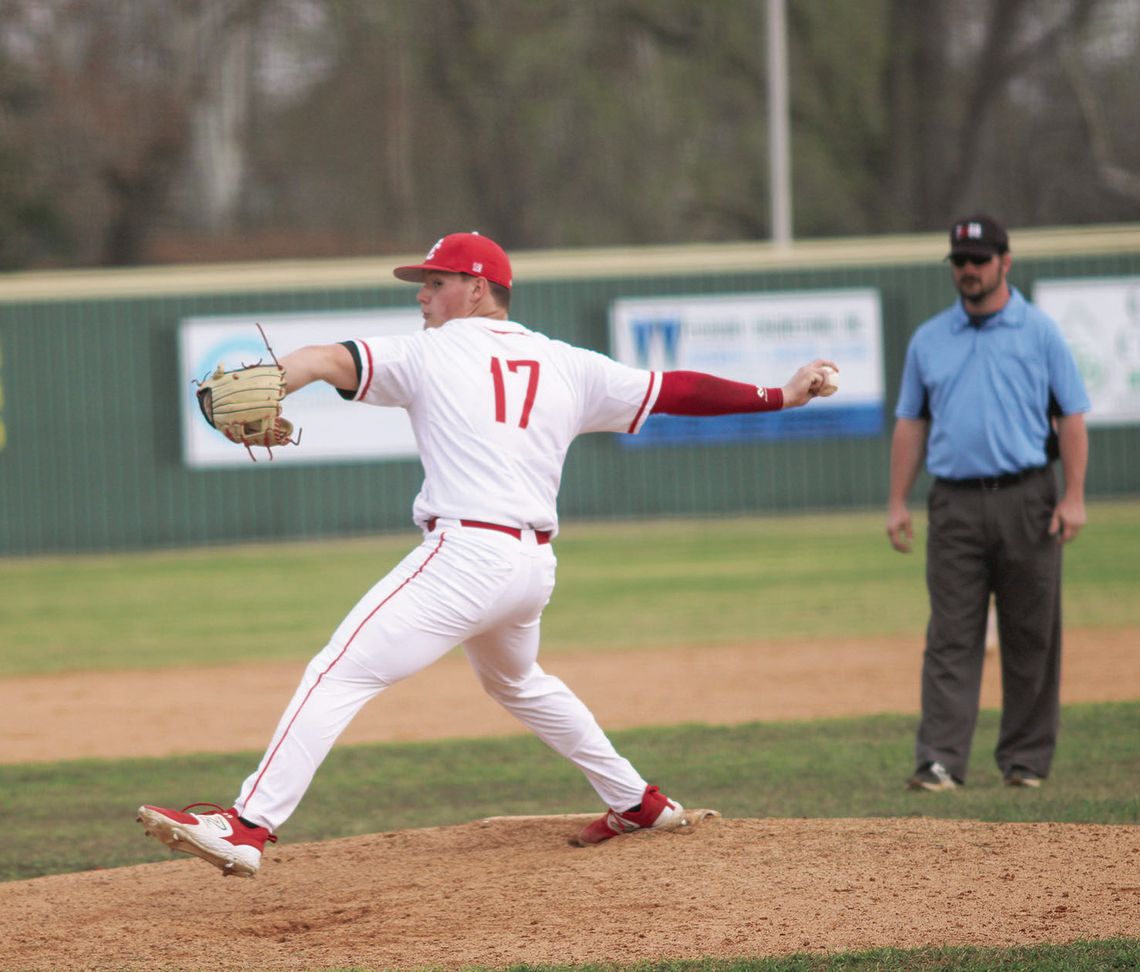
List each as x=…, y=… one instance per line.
x=219, y=838
x=656, y=810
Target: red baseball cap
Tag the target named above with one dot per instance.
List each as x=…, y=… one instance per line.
x=468, y=253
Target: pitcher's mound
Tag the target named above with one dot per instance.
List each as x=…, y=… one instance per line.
x=690, y=820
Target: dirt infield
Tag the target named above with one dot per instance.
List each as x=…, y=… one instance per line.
x=145, y=713
x=504, y=892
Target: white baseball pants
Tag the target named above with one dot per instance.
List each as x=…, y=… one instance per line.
x=463, y=585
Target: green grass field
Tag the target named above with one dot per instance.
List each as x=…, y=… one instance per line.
x=1082, y=957
x=620, y=585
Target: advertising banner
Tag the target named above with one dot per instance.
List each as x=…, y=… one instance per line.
x=760, y=338
x=331, y=429
x=1100, y=318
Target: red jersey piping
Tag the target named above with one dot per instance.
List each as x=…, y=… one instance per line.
x=644, y=402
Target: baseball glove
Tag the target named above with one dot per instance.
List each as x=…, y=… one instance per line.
x=245, y=404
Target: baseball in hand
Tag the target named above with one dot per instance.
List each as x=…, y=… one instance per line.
x=830, y=382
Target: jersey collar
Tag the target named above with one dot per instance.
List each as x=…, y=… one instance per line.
x=1012, y=315
x=497, y=326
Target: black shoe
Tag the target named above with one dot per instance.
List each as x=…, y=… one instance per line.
x=1020, y=776
x=932, y=776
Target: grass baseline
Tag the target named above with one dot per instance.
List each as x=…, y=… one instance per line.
x=852, y=767
x=1084, y=956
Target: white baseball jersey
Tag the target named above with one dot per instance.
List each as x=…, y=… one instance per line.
x=494, y=407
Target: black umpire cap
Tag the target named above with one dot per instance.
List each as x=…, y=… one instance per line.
x=978, y=236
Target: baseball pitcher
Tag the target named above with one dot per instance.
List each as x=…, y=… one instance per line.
x=494, y=406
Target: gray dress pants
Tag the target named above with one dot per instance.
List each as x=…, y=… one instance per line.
x=984, y=540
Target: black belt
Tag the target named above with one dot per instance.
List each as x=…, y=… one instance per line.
x=993, y=482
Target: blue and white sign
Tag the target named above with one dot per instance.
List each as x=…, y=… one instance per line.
x=331, y=428
x=760, y=338
x=1100, y=318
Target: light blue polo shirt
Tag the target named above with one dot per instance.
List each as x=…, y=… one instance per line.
x=988, y=390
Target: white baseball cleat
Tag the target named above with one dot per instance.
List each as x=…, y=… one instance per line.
x=219, y=837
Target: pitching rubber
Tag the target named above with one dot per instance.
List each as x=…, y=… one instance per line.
x=690, y=820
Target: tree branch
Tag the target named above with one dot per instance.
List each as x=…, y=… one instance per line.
x=1116, y=177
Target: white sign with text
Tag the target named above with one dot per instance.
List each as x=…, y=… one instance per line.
x=1100, y=318
x=331, y=429
x=760, y=338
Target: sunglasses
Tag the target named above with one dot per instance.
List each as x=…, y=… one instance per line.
x=977, y=261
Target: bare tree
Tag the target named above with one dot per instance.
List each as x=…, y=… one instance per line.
x=119, y=89
x=164, y=129
x=1118, y=178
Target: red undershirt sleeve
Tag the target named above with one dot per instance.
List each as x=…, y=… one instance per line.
x=695, y=393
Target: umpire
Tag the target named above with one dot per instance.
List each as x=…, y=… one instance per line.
x=991, y=394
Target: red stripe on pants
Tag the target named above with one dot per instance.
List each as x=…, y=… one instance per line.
x=332, y=664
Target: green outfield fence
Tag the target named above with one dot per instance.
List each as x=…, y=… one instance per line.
x=90, y=441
